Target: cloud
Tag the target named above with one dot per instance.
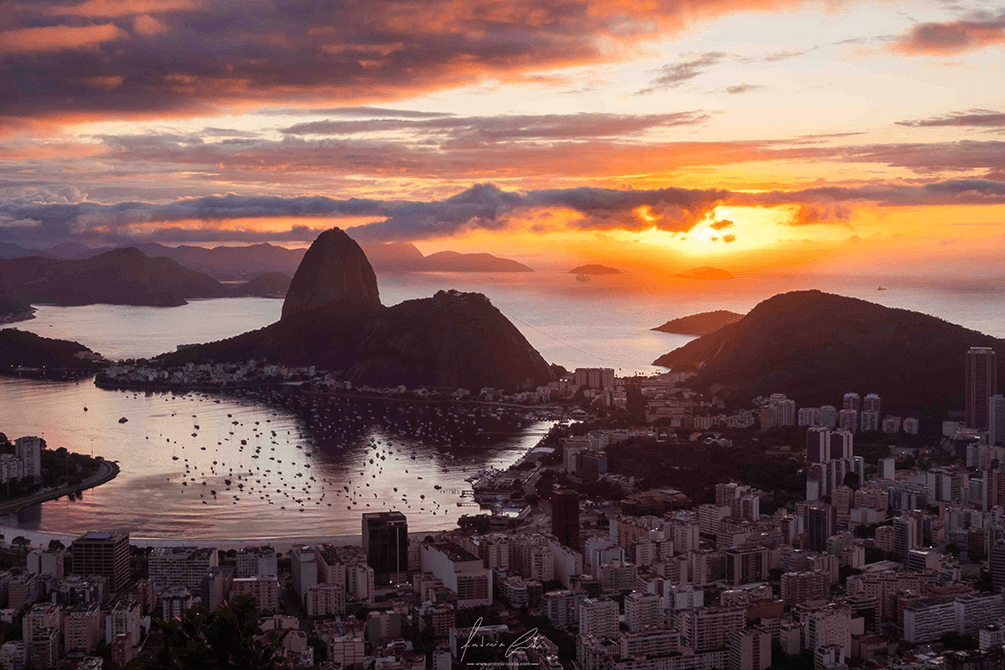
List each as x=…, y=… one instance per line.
x=191, y=57
x=777, y=56
x=953, y=37
x=978, y=118
x=822, y=213
x=741, y=88
x=512, y=127
x=729, y=238
x=481, y=207
x=721, y=224
x=673, y=75
x=56, y=38
x=357, y=112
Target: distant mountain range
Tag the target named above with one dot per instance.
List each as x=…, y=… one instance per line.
x=817, y=346
x=704, y=272
x=700, y=324
x=119, y=277
x=230, y=263
x=594, y=269
x=333, y=319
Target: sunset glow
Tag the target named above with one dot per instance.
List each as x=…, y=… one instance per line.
x=762, y=136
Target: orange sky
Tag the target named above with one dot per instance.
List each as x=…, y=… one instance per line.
x=761, y=137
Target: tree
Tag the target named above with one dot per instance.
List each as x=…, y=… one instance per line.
x=227, y=638
x=21, y=542
x=56, y=544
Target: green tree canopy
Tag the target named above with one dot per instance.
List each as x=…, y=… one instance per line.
x=225, y=639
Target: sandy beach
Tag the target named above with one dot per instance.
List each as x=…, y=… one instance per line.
x=280, y=544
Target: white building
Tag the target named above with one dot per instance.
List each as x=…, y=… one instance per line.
x=257, y=562
x=598, y=617
x=29, y=451
x=460, y=571
x=304, y=566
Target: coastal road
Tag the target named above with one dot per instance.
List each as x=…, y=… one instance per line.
x=106, y=471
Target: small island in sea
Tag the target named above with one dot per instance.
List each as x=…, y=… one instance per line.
x=594, y=269
x=704, y=272
x=700, y=324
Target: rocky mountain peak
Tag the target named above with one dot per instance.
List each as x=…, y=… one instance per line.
x=334, y=273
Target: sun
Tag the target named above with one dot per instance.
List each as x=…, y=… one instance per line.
x=703, y=234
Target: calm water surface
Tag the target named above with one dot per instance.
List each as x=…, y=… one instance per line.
x=603, y=322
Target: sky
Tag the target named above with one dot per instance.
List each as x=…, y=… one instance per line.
x=763, y=136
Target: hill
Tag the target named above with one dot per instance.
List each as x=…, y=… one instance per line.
x=19, y=348
x=704, y=272
x=700, y=324
x=452, y=261
x=332, y=318
x=594, y=269
x=12, y=306
x=817, y=346
x=265, y=285
x=118, y=277
x=230, y=263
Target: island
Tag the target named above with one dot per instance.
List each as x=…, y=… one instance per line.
x=594, y=269
x=405, y=257
x=700, y=324
x=704, y=272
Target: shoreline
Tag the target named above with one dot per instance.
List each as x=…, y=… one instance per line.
x=40, y=538
x=107, y=471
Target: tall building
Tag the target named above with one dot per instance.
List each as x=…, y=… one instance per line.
x=821, y=523
x=981, y=384
x=851, y=401
x=565, y=517
x=105, y=554
x=385, y=541
x=996, y=421
x=598, y=617
x=868, y=421
x=642, y=610
x=711, y=627
x=872, y=403
x=28, y=450
x=304, y=566
x=594, y=377
x=828, y=416
x=998, y=565
x=750, y=650
x=818, y=444
x=181, y=566
x=905, y=536
x=848, y=419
